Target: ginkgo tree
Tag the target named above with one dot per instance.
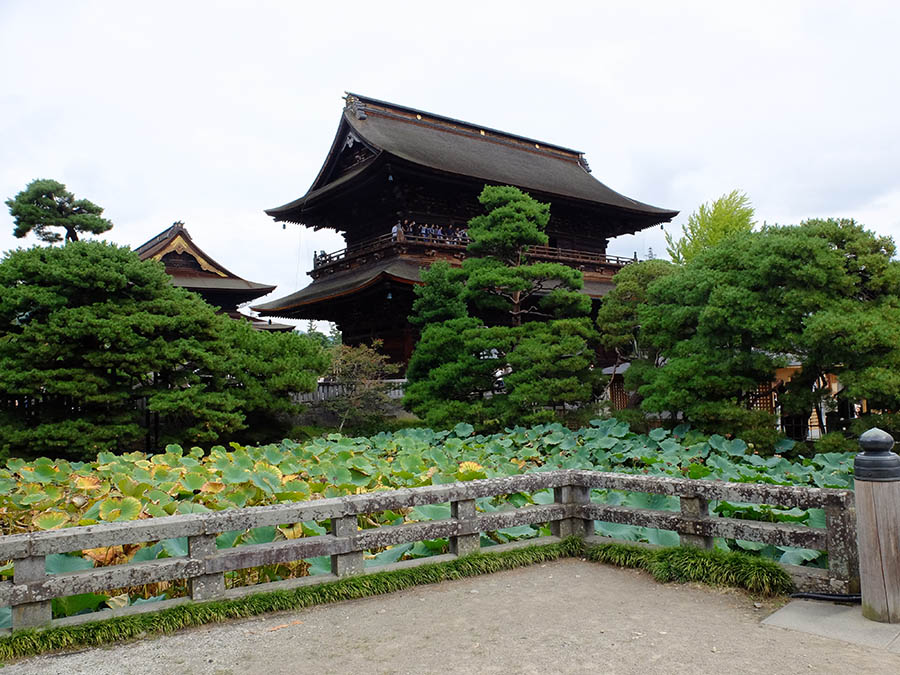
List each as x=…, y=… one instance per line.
x=711, y=224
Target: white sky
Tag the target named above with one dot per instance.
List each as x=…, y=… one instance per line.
x=210, y=112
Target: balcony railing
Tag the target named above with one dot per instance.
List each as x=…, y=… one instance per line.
x=457, y=246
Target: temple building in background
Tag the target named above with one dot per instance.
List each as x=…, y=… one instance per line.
x=194, y=270
x=400, y=184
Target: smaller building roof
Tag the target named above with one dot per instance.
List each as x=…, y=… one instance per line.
x=191, y=268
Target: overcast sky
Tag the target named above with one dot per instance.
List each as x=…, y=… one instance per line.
x=210, y=112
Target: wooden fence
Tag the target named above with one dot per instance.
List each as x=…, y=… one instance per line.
x=326, y=390
x=572, y=513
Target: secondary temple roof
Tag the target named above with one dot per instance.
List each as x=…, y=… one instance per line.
x=194, y=270
x=388, y=131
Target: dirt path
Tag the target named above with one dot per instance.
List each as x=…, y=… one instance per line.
x=564, y=617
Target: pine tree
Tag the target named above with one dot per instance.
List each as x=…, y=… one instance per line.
x=45, y=205
x=505, y=341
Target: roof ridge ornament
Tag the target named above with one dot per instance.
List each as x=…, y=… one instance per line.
x=582, y=160
x=356, y=106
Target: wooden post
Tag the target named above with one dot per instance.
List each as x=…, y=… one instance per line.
x=30, y=614
x=346, y=564
x=696, y=508
x=206, y=586
x=464, y=511
x=568, y=527
x=877, y=472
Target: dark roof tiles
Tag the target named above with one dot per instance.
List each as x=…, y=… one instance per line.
x=460, y=148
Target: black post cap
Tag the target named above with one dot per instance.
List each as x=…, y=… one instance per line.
x=876, y=462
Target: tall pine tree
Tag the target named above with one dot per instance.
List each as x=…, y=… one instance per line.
x=505, y=341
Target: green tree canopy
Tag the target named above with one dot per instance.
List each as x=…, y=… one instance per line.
x=45, y=206
x=505, y=341
x=442, y=295
x=824, y=295
x=711, y=224
x=362, y=372
x=618, y=323
x=88, y=330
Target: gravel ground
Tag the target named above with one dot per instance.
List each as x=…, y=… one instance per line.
x=568, y=616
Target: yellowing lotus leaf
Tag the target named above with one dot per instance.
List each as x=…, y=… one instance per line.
x=87, y=482
x=50, y=520
x=127, y=508
x=294, y=531
x=105, y=555
x=212, y=487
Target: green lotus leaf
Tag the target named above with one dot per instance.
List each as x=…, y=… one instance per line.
x=266, y=477
x=193, y=480
x=235, y=474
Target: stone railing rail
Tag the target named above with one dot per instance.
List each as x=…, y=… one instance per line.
x=572, y=513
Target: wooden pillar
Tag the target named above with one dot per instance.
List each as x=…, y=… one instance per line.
x=877, y=472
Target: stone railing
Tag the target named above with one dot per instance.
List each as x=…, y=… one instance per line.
x=31, y=591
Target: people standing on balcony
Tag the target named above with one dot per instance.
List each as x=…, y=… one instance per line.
x=400, y=230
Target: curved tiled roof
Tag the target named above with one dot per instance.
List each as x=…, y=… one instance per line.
x=460, y=148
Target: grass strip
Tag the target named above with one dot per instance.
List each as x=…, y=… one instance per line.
x=719, y=568
x=759, y=576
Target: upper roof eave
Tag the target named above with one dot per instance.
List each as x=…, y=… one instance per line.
x=462, y=149
x=280, y=213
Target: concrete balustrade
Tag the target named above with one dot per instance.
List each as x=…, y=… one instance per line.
x=572, y=513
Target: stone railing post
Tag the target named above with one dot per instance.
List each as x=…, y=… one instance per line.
x=205, y=586
x=346, y=564
x=843, y=556
x=696, y=508
x=30, y=614
x=568, y=527
x=470, y=540
x=877, y=473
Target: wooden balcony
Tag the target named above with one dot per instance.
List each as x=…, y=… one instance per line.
x=429, y=249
